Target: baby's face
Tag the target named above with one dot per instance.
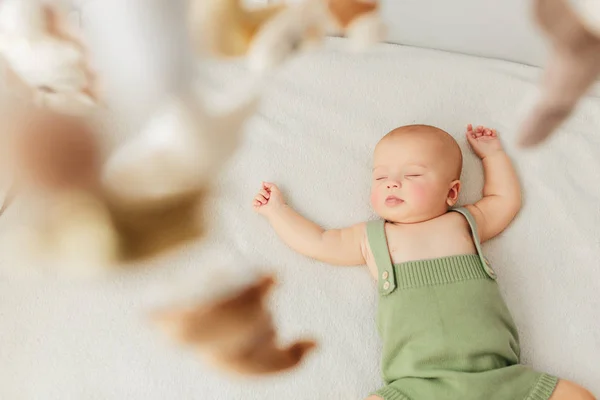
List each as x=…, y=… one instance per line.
x=414, y=178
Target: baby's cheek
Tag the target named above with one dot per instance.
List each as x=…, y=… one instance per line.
x=419, y=192
x=422, y=194
x=376, y=197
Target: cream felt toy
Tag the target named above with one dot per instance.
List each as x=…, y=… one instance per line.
x=225, y=27
x=267, y=36
x=181, y=147
x=572, y=69
x=234, y=333
x=44, y=56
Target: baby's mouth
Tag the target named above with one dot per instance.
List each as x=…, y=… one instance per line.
x=393, y=201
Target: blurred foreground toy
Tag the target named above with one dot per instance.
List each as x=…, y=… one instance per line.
x=146, y=198
x=572, y=69
x=236, y=333
x=45, y=58
x=269, y=35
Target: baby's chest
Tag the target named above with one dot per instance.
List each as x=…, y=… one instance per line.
x=405, y=246
x=409, y=243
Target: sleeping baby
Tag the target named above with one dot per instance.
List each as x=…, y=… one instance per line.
x=446, y=331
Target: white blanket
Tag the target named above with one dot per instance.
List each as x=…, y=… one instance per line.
x=314, y=135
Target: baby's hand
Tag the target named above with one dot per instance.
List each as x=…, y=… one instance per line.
x=484, y=141
x=269, y=198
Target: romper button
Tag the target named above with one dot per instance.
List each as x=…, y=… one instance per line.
x=385, y=275
x=386, y=286
x=489, y=268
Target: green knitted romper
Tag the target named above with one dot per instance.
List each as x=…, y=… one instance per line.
x=446, y=331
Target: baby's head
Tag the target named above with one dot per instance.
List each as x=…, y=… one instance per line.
x=416, y=172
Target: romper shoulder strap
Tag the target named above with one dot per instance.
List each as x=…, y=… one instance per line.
x=471, y=220
x=381, y=254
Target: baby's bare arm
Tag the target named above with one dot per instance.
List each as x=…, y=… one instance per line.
x=501, y=192
x=334, y=246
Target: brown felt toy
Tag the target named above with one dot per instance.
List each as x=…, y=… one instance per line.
x=235, y=334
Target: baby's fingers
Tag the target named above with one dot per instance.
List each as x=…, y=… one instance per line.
x=264, y=193
x=260, y=199
x=270, y=187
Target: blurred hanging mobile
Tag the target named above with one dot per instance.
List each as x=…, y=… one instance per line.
x=572, y=69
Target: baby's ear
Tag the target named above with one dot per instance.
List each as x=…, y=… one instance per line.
x=453, y=193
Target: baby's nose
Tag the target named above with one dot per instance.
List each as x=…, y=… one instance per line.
x=393, y=185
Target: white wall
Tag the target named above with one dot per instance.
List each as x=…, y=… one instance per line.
x=489, y=28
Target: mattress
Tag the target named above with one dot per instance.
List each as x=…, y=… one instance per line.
x=318, y=121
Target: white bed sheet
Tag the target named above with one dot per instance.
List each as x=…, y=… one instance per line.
x=319, y=120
